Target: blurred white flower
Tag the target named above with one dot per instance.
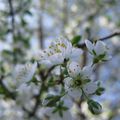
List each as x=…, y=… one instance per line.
x=79, y=78
x=62, y=45
x=65, y=47
x=90, y=88
x=23, y=73
x=10, y=111
x=75, y=111
x=74, y=70
x=86, y=72
x=98, y=50
x=49, y=58
x=76, y=54
x=25, y=94
x=58, y=51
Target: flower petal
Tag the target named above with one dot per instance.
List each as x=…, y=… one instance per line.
x=24, y=73
x=56, y=59
x=68, y=83
x=75, y=93
x=100, y=48
x=46, y=63
x=73, y=69
x=86, y=72
x=89, y=45
x=76, y=54
x=90, y=88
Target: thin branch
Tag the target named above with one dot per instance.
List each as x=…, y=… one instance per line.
x=38, y=102
x=40, y=22
x=110, y=36
x=102, y=39
x=42, y=88
x=12, y=15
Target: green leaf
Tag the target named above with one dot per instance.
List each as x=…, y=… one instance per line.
x=23, y=22
x=100, y=91
x=60, y=113
x=101, y=56
x=60, y=108
x=2, y=91
x=65, y=108
x=52, y=100
x=76, y=40
x=28, y=12
x=94, y=107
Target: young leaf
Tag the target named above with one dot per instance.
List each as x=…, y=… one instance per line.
x=76, y=39
x=52, y=100
x=94, y=107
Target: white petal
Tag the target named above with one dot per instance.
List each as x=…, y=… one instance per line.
x=56, y=58
x=89, y=45
x=73, y=69
x=76, y=54
x=39, y=55
x=65, y=47
x=68, y=83
x=24, y=73
x=33, y=69
x=75, y=93
x=46, y=63
x=107, y=57
x=56, y=70
x=86, y=72
x=68, y=49
x=100, y=48
x=90, y=88
x=75, y=111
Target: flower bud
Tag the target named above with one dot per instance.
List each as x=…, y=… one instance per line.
x=94, y=107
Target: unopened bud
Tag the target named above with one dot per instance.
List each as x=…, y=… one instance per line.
x=94, y=107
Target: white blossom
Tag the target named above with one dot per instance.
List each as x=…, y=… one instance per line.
x=86, y=72
x=23, y=73
x=58, y=51
x=79, y=78
x=90, y=87
x=75, y=111
x=75, y=54
x=99, y=50
x=25, y=94
x=73, y=69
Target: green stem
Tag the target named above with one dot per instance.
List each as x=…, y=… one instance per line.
x=83, y=92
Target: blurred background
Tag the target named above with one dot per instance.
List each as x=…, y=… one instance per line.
x=29, y=25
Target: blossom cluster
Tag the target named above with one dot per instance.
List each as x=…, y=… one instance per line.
x=59, y=51
x=65, y=59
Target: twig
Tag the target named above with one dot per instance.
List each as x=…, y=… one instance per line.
x=110, y=36
x=38, y=96
x=38, y=102
x=102, y=39
x=12, y=15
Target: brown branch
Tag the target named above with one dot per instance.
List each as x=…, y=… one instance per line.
x=41, y=90
x=12, y=15
x=102, y=39
x=110, y=36
x=38, y=101
x=40, y=29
